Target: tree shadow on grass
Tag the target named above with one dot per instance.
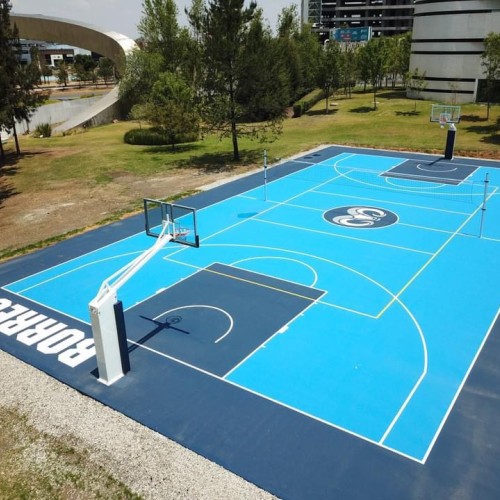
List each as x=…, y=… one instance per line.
x=222, y=162
x=408, y=113
x=492, y=139
x=392, y=94
x=8, y=168
x=178, y=149
x=490, y=132
x=319, y=112
x=472, y=118
x=362, y=109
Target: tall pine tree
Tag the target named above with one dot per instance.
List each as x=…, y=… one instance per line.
x=17, y=99
x=225, y=28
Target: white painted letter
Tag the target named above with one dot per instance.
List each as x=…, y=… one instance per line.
x=40, y=332
x=73, y=357
x=60, y=341
x=22, y=322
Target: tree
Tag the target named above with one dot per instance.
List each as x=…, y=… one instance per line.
x=309, y=51
x=62, y=74
x=415, y=84
x=263, y=90
x=105, y=69
x=84, y=66
x=328, y=69
x=349, y=69
x=490, y=61
x=375, y=55
x=17, y=99
x=300, y=49
x=193, y=66
x=46, y=72
x=142, y=71
x=288, y=31
x=225, y=27
x=170, y=108
x=161, y=33
x=403, y=54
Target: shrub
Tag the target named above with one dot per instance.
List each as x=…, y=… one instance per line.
x=307, y=102
x=43, y=130
x=155, y=137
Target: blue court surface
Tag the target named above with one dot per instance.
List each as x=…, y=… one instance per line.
x=336, y=334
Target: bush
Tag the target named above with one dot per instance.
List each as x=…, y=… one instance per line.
x=154, y=137
x=307, y=102
x=43, y=130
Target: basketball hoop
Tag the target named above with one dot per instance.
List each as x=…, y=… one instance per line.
x=444, y=118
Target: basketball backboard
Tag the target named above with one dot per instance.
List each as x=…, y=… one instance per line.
x=444, y=114
x=180, y=221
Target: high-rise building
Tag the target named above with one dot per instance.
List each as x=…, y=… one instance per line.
x=448, y=40
x=385, y=17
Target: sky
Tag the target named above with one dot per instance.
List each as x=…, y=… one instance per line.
x=121, y=16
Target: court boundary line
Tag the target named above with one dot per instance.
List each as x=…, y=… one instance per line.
x=283, y=405
x=50, y=308
x=179, y=250
x=460, y=387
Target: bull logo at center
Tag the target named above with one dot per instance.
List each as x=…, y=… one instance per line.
x=361, y=217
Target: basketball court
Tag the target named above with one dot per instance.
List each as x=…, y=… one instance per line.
x=327, y=327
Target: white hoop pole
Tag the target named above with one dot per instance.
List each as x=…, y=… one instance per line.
x=483, y=208
x=102, y=314
x=265, y=174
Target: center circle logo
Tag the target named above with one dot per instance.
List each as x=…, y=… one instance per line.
x=360, y=217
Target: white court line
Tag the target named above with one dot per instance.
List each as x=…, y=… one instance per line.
x=333, y=235
x=76, y=258
x=460, y=387
x=418, y=190
x=76, y=269
x=202, y=306
x=437, y=171
x=279, y=403
x=324, y=303
x=417, y=384
x=270, y=208
x=408, y=205
x=313, y=257
x=50, y=308
x=397, y=298
x=269, y=339
x=425, y=228
x=422, y=269
x=271, y=257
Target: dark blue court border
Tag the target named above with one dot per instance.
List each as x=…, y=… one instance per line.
x=216, y=331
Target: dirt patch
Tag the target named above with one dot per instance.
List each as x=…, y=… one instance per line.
x=26, y=219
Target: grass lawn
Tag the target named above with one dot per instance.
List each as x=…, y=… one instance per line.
x=97, y=155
